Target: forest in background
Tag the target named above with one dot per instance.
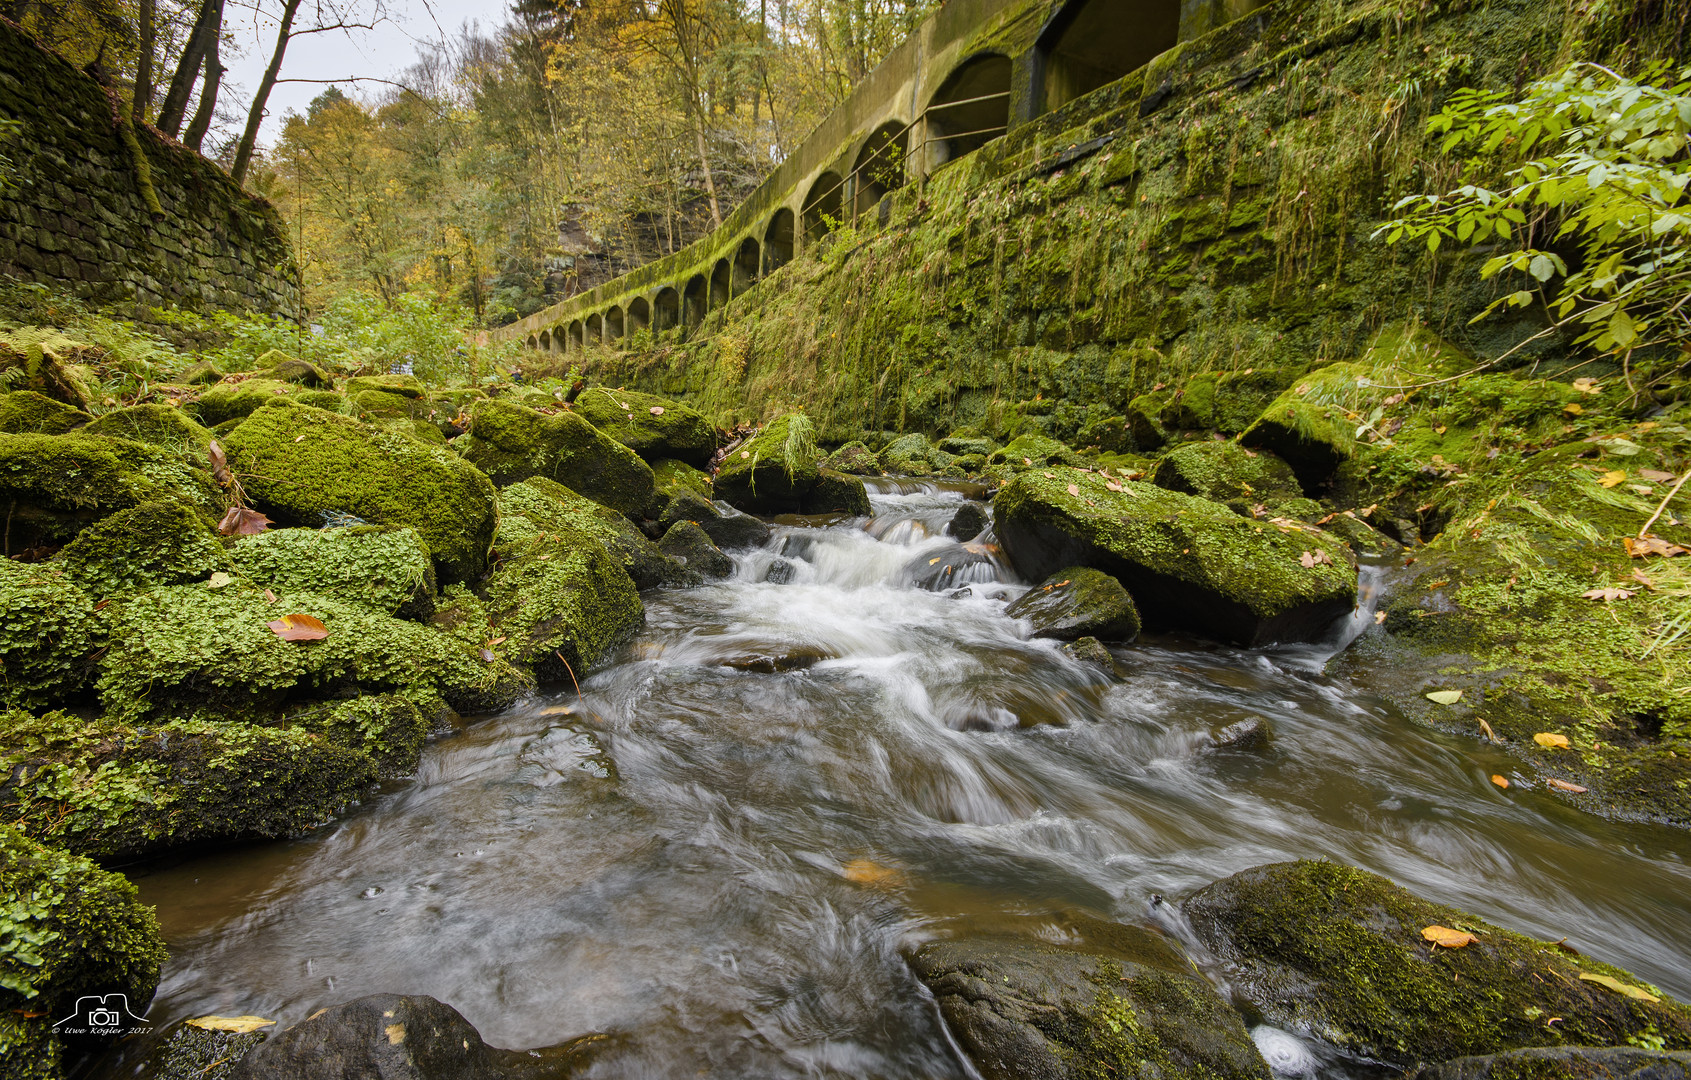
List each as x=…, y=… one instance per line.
x=506, y=167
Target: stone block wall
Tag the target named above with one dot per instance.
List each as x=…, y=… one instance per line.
x=80, y=217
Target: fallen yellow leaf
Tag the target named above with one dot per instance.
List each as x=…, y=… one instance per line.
x=237, y=1024
x=1445, y=697
x=1613, y=478
x=1551, y=741
x=1450, y=939
x=1619, y=987
x=869, y=872
x=1500, y=781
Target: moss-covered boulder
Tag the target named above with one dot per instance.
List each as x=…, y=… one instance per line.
x=673, y=477
x=116, y=792
x=379, y=405
x=48, y=633
x=156, y=543
x=1078, y=602
x=1189, y=563
x=1028, y=451
x=1310, y=425
x=1226, y=471
x=26, y=411
x=405, y=385
x=55, y=485
x=302, y=373
x=1340, y=953
x=300, y=463
x=1110, y=1000
x=836, y=493
x=652, y=427
x=164, y=426
x=201, y=373
x=1565, y=1063
x=908, y=455
x=558, y=599
x=69, y=929
x=512, y=443
x=854, y=459
x=193, y=647
x=728, y=528
x=548, y=507
x=233, y=400
x=688, y=545
x=384, y=568
x=773, y=471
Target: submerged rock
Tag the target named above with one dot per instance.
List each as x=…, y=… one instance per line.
x=1248, y=734
x=773, y=471
x=1121, y=1004
x=689, y=545
x=970, y=520
x=1078, y=602
x=1223, y=471
x=298, y=463
x=652, y=427
x=1565, y=1063
x=512, y=443
x=1089, y=650
x=1339, y=953
x=1189, y=563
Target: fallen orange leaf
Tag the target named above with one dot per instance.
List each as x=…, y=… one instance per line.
x=1500, y=781
x=1563, y=785
x=869, y=872
x=240, y=521
x=1639, y=547
x=1450, y=939
x=297, y=627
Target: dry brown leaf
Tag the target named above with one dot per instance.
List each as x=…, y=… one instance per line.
x=1500, y=781
x=1563, y=785
x=219, y=464
x=241, y=521
x=1450, y=939
x=1551, y=741
x=1379, y=618
x=238, y=1024
x=1656, y=475
x=270, y=596
x=1111, y=485
x=1489, y=734
x=869, y=872
x=1074, y=489
x=1639, y=547
x=297, y=627
x=1587, y=386
x=1608, y=594
x=1307, y=560
x=1572, y=409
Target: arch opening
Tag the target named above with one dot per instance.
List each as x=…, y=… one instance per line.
x=613, y=325
x=1091, y=43
x=778, y=241
x=695, y=301
x=970, y=109
x=595, y=329
x=575, y=336
x=544, y=342
x=666, y=309
x=533, y=342
x=747, y=261
x=822, y=207
x=639, y=315
x=880, y=166
x=721, y=276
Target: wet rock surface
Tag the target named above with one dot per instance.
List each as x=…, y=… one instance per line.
x=1565, y=1063
x=1078, y=602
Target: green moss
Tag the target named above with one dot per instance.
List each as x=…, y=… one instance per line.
x=163, y=426
x=67, y=928
x=300, y=372
x=538, y=507
x=652, y=427
x=773, y=471
x=404, y=385
x=673, y=477
x=388, y=730
x=48, y=633
x=837, y=493
x=854, y=459
x=1338, y=952
x=299, y=463
x=187, y=647
x=908, y=455
x=512, y=443
x=1076, y=602
x=115, y=792
x=25, y=411
x=387, y=569
x=232, y=400
x=1028, y=451
x=156, y=543
x=1224, y=471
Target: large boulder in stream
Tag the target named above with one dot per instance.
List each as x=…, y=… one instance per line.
x=773, y=471
x=653, y=427
x=512, y=443
x=1565, y=1063
x=299, y=463
x=553, y=509
x=727, y=527
x=1344, y=955
x=1225, y=471
x=1112, y=1001
x=1078, y=602
x=1190, y=564
x=1308, y=425
x=400, y=1037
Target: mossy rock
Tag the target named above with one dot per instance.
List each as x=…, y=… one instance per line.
x=727, y=527
x=964, y=443
x=116, y=792
x=201, y=373
x=1223, y=471
x=44, y=363
x=1078, y=602
x=156, y=543
x=1310, y=425
x=233, y=400
x=26, y=412
x=389, y=730
x=1339, y=953
x=687, y=544
x=539, y=506
x=1565, y=1063
x=70, y=929
x=772, y=472
x=1145, y=420
x=512, y=443
x=299, y=463
x=55, y=485
x=1189, y=564
x=164, y=426
x=404, y=385
x=186, y=1052
x=302, y=373
x=652, y=427
x=970, y=520
x=378, y=405
x=908, y=455
x=387, y=569
x=48, y=633
x=837, y=493
x=559, y=600
x=177, y=649
x=1031, y=451
x=673, y=477
x=854, y=459
x=1109, y=1001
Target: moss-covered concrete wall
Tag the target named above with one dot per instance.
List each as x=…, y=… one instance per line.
x=122, y=214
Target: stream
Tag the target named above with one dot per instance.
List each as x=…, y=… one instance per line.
x=721, y=847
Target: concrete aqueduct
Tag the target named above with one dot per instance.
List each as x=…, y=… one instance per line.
x=973, y=71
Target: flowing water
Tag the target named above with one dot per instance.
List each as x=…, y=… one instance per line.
x=720, y=849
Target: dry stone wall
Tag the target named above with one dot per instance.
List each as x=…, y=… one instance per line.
x=122, y=214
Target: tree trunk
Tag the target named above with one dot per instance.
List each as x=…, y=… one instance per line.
x=255, y=115
x=201, y=123
x=144, y=66
x=206, y=27
x=710, y=181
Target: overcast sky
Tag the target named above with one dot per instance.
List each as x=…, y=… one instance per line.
x=381, y=52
